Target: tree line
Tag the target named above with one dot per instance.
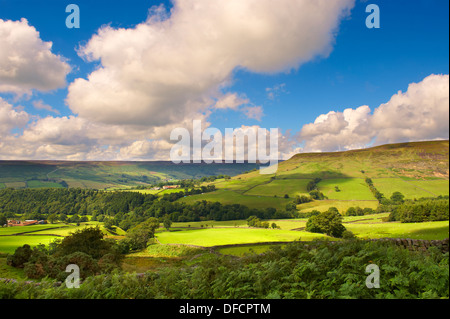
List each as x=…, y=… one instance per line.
x=122, y=209
x=418, y=210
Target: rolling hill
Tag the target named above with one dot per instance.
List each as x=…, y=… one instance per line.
x=105, y=175
x=416, y=169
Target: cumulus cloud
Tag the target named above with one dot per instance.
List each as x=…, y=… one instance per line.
x=10, y=118
x=421, y=113
x=231, y=101
x=26, y=62
x=337, y=131
x=76, y=138
x=172, y=65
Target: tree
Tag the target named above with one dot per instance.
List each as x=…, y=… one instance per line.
x=291, y=206
x=108, y=223
x=87, y=240
x=20, y=256
x=351, y=211
x=167, y=223
x=329, y=222
x=138, y=236
x=397, y=198
x=52, y=218
x=3, y=220
x=315, y=194
x=300, y=199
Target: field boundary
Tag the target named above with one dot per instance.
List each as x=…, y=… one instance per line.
x=35, y=231
x=407, y=243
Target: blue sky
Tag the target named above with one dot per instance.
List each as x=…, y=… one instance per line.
x=364, y=67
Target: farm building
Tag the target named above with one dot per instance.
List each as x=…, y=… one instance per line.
x=171, y=186
x=27, y=222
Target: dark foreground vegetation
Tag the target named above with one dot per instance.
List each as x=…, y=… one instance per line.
x=86, y=248
x=321, y=270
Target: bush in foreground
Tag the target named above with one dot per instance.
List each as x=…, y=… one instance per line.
x=319, y=270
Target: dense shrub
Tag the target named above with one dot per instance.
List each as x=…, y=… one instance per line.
x=86, y=248
x=20, y=257
x=320, y=271
x=422, y=211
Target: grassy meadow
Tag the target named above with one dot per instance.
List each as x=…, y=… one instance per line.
x=33, y=235
x=209, y=237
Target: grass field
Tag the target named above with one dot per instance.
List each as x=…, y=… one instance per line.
x=13, y=237
x=27, y=229
x=214, y=233
x=233, y=197
x=211, y=223
x=341, y=205
x=42, y=184
x=412, y=188
x=16, y=184
x=427, y=230
x=349, y=188
x=228, y=236
x=280, y=187
x=8, y=244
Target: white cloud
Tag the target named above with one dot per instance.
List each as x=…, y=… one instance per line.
x=171, y=66
x=26, y=62
x=161, y=74
x=231, y=101
x=421, y=113
x=40, y=105
x=336, y=131
x=253, y=112
x=10, y=118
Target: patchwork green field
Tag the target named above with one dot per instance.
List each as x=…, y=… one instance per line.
x=415, y=169
x=427, y=230
x=213, y=233
x=41, y=184
x=341, y=205
x=412, y=188
x=33, y=235
x=230, y=236
x=233, y=197
x=8, y=244
x=280, y=187
x=346, y=189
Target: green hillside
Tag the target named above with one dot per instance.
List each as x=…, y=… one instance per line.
x=101, y=175
x=417, y=169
